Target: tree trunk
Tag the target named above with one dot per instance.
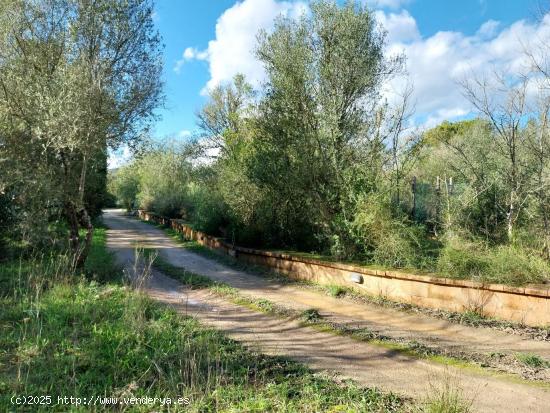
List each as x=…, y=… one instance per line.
x=72, y=220
x=76, y=220
x=510, y=217
x=86, y=222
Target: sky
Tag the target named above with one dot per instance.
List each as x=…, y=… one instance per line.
x=207, y=42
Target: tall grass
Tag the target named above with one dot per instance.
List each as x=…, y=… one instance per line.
x=446, y=396
x=507, y=264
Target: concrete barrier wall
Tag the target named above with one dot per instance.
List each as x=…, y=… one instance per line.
x=528, y=305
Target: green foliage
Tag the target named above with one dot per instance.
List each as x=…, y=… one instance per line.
x=532, y=360
x=101, y=265
x=124, y=185
x=389, y=240
x=159, y=180
x=446, y=396
x=509, y=264
x=77, y=78
x=447, y=402
x=163, y=176
x=449, y=131
x=335, y=290
x=118, y=340
x=310, y=152
x=7, y=216
x=311, y=315
x=207, y=211
x=318, y=162
x=463, y=259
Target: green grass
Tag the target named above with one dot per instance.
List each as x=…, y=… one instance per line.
x=84, y=335
x=503, y=264
x=335, y=290
x=312, y=318
x=447, y=397
x=101, y=264
x=532, y=360
x=311, y=315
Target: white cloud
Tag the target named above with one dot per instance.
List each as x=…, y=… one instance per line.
x=438, y=63
x=488, y=29
x=390, y=4
x=189, y=54
x=184, y=133
x=440, y=115
x=232, y=51
x=399, y=27
x=192, y=53
x=435, y=64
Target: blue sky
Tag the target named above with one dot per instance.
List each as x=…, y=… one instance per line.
x=207, y=42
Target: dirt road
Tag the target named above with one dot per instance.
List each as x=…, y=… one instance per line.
x=370, y=365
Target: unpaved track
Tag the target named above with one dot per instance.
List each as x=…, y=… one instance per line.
x=370, y=365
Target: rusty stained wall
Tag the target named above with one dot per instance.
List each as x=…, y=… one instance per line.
x=526, y=305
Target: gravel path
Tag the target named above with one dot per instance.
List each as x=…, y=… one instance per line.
x=371, y=365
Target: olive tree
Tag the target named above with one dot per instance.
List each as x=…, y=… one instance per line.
x=319, y=139
x=222, y=118
x=76, y=77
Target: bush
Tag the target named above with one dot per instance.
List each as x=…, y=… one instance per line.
x=513, y=265
x=508, y=264
x=396, y=249
x=386, y=239
x=460, y=258
x=208, y=209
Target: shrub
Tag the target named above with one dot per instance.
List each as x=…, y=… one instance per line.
x=532, y=360
x=395, y=249
x=460, y=258
x=208, y=211
x=336, y=290
x=514, y=265
x=387, y=239
x=509, y=264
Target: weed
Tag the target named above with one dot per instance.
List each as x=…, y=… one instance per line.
x=472, y=317
x=446, y=397
x=101, y=264
x=311, y=315
x=266, y=305
x=532, y=360
x=336, y=290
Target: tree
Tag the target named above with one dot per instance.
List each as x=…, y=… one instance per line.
x=466, y=152
x=76, y=77
x=223, y=117
x=318, y=140
x=124, y=184
x=504, y=105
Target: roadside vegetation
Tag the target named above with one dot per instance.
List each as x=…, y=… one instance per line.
x=87, y=334
x=316, y=161
x=77, y=79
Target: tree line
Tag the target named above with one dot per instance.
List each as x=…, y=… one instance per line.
x=317, y=160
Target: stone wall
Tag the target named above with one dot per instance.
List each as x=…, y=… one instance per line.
x=528, y=305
